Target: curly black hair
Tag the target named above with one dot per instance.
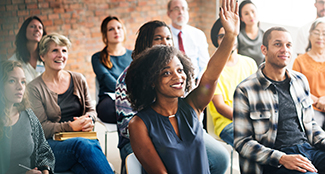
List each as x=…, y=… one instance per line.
x=145, y=36
x=144, y=72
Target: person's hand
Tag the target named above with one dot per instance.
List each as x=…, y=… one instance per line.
x=34, y=171
x=229, y=17
x=297, y=162
x=320, y=104
x=82, y=123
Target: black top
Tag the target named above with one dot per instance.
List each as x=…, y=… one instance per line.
x=69, y=104
x=289, y=130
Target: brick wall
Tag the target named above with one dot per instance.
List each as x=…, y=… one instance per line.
x=80, y=21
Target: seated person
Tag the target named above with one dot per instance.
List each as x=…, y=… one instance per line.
x=29, y=35
x=274, y=129
x=237, y=69
x=108, y=65
x=311, y=64
x=150, y=34
x=61, y=101
x=22, y=140
x=166, y=119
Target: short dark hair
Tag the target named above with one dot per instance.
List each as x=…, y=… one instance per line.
x=241, y=5
x=215, y=31
x=144, y=72
x=145, y=36
x=267, y=34
x=22, y=52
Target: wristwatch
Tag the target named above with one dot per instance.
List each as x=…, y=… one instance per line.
x=41, y=168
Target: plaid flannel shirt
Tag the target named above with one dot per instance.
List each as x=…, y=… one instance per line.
x=255, y=119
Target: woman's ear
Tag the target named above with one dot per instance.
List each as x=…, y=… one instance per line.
x=42, y=58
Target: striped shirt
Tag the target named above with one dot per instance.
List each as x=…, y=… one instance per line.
x=255, y=117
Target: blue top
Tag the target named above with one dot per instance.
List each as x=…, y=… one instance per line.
x=186, y=154
x=107, y=77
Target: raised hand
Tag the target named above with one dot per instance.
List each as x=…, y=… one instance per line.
x=229, y=16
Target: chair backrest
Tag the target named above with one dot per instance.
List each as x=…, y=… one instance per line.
x=132, y=164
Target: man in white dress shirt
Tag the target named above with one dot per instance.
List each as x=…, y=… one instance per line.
x=303, y=32
x=194, y=40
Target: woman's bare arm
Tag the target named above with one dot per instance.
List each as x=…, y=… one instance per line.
x=143, y=148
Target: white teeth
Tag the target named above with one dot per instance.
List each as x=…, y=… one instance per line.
x=59, y=61
x=177, y=85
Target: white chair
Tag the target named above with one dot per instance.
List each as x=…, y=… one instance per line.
x=132, y=164
x=110, y=127
x=210, y=130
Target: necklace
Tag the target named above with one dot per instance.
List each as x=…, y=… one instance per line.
x=171, y=116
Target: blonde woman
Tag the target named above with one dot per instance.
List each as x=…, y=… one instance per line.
x=61, y=101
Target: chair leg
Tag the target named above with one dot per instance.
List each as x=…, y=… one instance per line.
x=106, y=144
x=231, y=159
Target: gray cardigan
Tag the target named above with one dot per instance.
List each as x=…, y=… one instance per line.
x=45, y=103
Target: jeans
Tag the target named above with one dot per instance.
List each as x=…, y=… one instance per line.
x=227, y=134
x=218, y=155
x=317, y=158
x=80, y=155
x=106, y=110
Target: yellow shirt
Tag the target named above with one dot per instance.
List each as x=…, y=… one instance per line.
x=229, y=78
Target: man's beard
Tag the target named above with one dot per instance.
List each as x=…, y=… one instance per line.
x=182, y=22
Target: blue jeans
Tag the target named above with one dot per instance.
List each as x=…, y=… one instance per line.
x=80, y=155
x=227, y=134
x=316, y=156
x=218, y=155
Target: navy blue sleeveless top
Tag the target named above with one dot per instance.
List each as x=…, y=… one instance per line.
x=186, y=154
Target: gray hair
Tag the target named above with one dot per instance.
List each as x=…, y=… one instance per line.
x=320, y=20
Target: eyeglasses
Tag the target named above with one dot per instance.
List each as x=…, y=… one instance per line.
x=177, y=9
x=321, y=2
x=315, y=33
x=221, y=36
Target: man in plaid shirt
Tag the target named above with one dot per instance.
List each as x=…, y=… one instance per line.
x=274, y=129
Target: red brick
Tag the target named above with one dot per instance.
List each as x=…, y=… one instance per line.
x=47, y=22
x=58, y=22
x=23, y=13
x=32, y=6
x=54, y=16
x=30, y=1
x=43, y=5
x=35, y=12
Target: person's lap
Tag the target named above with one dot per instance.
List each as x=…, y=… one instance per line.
x=218, y=155
x=79, y=155
x=227, y=134
x=317, y=157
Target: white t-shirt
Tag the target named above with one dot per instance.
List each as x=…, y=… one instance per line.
x=302, y=38
x=30, y=72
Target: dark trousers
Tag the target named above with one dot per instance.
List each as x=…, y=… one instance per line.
x=316, y=156
x=106, y=110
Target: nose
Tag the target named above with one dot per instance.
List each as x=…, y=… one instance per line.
x=164, y=41
x=19, y=86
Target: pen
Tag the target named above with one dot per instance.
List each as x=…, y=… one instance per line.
x=25, y=167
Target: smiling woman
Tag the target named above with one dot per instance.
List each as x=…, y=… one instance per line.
x=61, y=101
x=27, y=39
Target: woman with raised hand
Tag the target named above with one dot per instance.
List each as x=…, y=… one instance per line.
x=62, y=103
x=151, y=33
x=108, y=64
x=165, y=134
x=311, y=64
x=250, y=35
x=27, y=39
x=22, y=141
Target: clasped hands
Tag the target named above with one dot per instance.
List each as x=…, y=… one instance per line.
x=83, y=123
